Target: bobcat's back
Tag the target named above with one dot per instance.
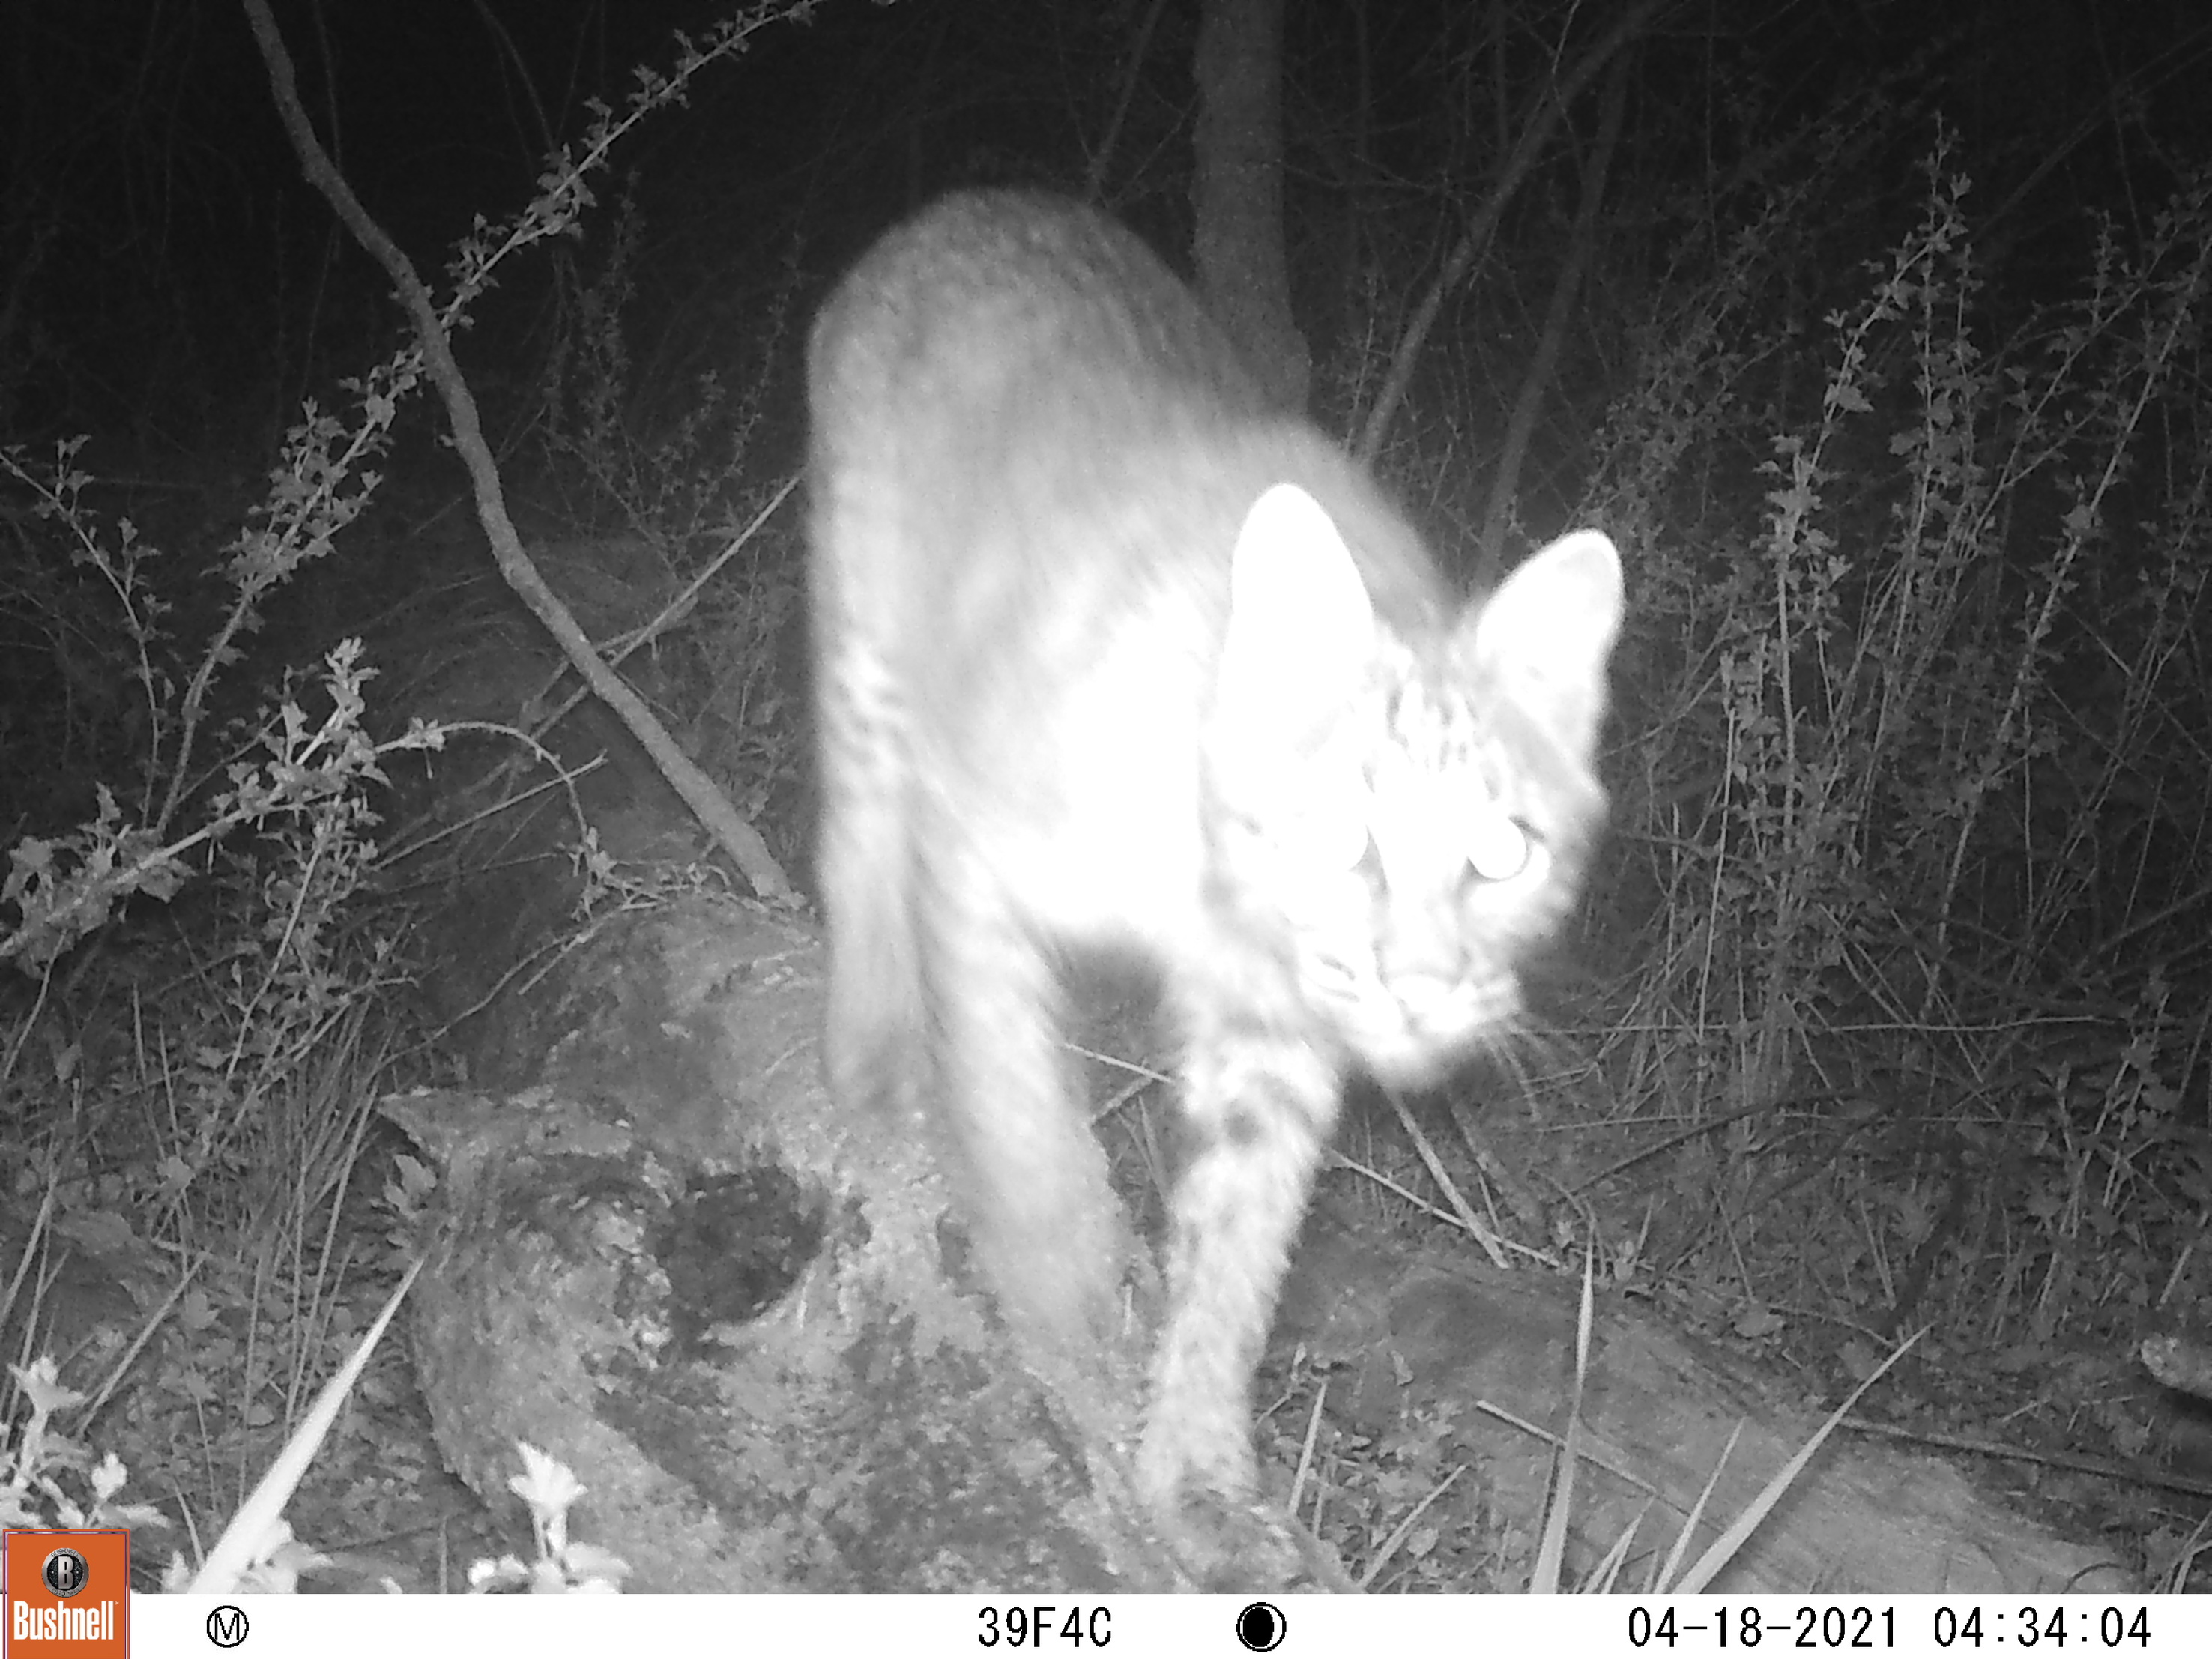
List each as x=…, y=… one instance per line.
x=1032, y=455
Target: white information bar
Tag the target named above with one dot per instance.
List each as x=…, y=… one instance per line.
x=1138, y=1626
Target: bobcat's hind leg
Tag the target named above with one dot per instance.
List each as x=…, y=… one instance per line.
x=872, y=1041
x=1047, y=1226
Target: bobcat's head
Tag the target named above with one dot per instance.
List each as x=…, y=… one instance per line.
x=1406, y=814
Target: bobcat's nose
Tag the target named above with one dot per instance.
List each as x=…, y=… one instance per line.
x=1443, y=1013
x=1421, y=963
x=1424, y=997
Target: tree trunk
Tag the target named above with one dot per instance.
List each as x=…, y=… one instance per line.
x=1236, y=195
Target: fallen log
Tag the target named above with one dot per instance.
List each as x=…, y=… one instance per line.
x=748, y=1325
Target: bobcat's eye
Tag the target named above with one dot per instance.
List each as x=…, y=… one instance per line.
x=1499, y=847
x=1336, y=837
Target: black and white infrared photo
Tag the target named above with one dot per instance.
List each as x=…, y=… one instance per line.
x=1051, y=825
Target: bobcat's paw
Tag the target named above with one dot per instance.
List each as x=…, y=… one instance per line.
x=1227, y=1544
x=1226, y=1537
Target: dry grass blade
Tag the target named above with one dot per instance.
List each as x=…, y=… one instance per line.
x=1404, y=1528
x=1605, y=1579
x=1674, y=1566
x=240, y=1543
x=1306, y=1453
x=1552, y=1550
x=1725, y=1546
x=1435, y=1165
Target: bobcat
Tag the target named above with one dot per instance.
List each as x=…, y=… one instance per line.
x=1113, y=656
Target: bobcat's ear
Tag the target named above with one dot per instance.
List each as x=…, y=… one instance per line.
x=1548, y=631
x=1299, y=618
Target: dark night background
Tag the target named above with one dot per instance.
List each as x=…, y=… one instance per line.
x=1886, y=1007
x=173, y=280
